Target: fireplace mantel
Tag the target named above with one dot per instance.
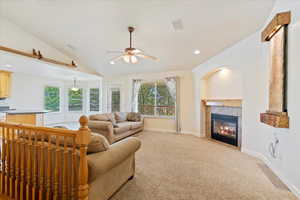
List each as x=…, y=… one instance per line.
x=223, y=102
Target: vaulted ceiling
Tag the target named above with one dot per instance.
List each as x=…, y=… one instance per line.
x=86, y=30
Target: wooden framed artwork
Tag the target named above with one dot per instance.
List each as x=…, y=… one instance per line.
x=276, y=34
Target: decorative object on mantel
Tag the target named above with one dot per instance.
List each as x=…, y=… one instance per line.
x=38, y=55
x=276, y=34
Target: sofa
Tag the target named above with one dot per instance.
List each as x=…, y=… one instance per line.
x=116, y=126
x=111, y=168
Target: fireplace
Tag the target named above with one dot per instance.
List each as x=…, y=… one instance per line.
x=224, y=128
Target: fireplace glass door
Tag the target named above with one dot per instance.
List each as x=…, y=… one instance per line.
x=224, y=128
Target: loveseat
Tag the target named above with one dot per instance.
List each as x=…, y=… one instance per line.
x=116, y=126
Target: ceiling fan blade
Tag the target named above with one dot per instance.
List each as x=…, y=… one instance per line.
x=114, y=52
x=147, y=56
x=115, y=59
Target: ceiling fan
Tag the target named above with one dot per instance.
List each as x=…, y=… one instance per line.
x=130, y=54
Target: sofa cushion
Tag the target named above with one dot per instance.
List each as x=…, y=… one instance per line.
x=122, y=127
x=98, y=143
x=100, y=117
x=134, y=117
x=136, y=125
x=121, y=116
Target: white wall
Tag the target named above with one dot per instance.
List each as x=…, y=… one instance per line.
x=225, y=83
x=157, y=124
x=251, y=56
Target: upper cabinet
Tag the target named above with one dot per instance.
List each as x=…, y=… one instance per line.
x=5, y=83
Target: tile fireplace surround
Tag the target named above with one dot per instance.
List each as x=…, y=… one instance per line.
x=225, y=108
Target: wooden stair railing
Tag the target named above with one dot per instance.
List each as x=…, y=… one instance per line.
x=40, y=163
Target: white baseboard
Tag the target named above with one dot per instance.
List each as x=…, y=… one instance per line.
x=159, y=130
x=278, y=173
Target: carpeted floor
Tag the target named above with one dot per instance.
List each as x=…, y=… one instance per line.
x=183, y=167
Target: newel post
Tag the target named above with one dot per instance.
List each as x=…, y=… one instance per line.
x=82, y=140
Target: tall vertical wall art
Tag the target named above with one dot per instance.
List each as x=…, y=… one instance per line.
x=276, y=34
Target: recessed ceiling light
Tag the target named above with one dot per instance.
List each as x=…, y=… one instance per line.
x=197, y=52
x=112, y=62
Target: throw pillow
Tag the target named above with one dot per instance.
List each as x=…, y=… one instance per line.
x=97, y=144
x=121, y=116
x=134, y=117
x=113, y=120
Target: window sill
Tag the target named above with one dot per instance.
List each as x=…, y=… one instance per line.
x=158, y=117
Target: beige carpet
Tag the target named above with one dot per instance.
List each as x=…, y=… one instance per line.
x=182, y=167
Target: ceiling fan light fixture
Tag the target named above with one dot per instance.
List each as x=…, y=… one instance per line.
x=126, y=58
x=133, y=59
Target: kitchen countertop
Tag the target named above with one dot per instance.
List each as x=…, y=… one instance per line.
x=24, y=112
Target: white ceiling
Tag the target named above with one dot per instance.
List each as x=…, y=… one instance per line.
x=93, y=27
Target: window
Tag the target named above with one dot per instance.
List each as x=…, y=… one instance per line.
x=94, y=99
x=76, y=100
x=115, y=100
x=52, y=99
x=154, y=99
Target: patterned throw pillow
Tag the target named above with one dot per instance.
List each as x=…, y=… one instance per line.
x=98, y=143
x=121, y=116
x=113, y=120
x=134, y=117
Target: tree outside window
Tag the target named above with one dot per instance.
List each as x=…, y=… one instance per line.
x=76, y=100
x=94, y=99
x=115, y=100
x=154, y=99
x=52, y=99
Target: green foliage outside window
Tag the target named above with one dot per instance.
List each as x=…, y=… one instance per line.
x=115, y=101
x=52, y=99
x=94, y=99
x=76, y=100
x=155, y=99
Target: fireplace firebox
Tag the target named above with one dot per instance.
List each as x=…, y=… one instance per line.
x=225, y=128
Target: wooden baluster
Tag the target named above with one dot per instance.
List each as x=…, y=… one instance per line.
x=74, y=171
x=56, y=170
x=12, y=163
x=23, y=153
x=65, y=171
x=17, y=160
x=49, y=167
x=28, y=166
x=42, y=168
x=3, y=160
x=7, y=163
x=83, y=139
x=35, y=169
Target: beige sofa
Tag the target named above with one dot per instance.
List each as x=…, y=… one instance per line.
x=116, y=126
x=110, y=169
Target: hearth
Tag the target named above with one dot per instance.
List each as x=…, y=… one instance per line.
x=225, y=128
